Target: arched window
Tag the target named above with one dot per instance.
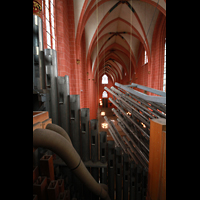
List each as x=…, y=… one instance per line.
x=105, y=94
x=145, y=57
x=49, y=20
x=104, y=79
x=164, y=74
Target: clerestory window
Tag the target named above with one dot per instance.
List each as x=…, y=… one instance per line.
x=50, y=22
x=145, y=57
x=164, y=73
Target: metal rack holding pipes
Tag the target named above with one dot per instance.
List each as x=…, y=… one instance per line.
x=134, y=111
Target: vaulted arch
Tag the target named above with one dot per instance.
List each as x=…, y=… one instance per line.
x=116, y=30
x=120, y=49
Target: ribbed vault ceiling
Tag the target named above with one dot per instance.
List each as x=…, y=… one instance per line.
x=114, y=30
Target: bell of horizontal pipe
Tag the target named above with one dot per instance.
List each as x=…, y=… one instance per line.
x=57, y=143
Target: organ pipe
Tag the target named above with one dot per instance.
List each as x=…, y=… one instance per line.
x=57, y=143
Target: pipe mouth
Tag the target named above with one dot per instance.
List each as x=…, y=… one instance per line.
x=39, y=180
x=46, y=157
x=52, y=184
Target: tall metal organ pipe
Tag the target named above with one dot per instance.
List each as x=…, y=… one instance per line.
x=61, y=146
x=38, y=55
x=51, y=67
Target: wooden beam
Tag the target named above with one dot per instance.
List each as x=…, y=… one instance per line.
x=39, y=116
x=156, y=189
x=40, y=120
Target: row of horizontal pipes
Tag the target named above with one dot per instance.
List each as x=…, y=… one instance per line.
x=133, y=117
